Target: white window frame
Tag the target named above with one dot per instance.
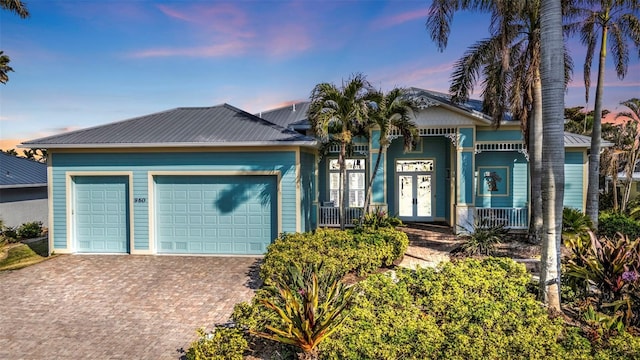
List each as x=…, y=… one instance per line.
x=354, y=166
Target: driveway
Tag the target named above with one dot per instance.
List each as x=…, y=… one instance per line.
x=117, y=307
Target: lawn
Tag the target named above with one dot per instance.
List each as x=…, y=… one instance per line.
x=19, y=255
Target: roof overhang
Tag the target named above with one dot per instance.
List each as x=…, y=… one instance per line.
x=313, y=144
x=22, y=186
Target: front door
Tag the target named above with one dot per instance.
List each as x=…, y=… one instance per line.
x=415, y=189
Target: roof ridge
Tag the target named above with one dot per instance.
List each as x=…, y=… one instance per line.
x=266, y=122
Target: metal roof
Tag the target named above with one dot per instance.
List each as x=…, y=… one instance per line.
x=293, y=116
x=222, y=125
x=572, y=140
x=17, y=172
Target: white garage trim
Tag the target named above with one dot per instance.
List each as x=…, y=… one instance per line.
x=152, y=201
x=71, y=241
x=298, y=191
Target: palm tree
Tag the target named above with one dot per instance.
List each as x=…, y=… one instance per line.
x=19, y=8
x=551, y=73
x=611, y=22
x=508, y=64
x=392, y=112
x=338, y=114
x=4, y=67
x=632, y=150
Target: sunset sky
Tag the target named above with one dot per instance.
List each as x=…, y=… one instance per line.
x=85, y=63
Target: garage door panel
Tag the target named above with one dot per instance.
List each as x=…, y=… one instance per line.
x=101, y=213
x=224, y=214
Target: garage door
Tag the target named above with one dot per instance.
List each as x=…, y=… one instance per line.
x=215, y=214
x=101, y=214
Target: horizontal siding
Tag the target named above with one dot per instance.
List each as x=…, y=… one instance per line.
x=517, y=182
x=574, y=179
x=498, y=135
x=141, y=163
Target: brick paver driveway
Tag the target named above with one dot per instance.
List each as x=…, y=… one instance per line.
x=117, y=307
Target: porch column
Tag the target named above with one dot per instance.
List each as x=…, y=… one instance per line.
x=465, y=202
x=378, y=194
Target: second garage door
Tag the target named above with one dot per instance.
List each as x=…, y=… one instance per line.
x=215, y=214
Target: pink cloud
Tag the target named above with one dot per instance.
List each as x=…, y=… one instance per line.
x=397, y=19
x=415, y=74
x=288, y=39
x=222, y=18
x=217, y=50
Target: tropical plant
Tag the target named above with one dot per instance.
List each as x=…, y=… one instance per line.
x=482, y=239
x=20, y=9
x=575, y=223
x=338, y=114
x=220, y=344
x=377, y=218
x=311, y=305
x=392, y=112
x=632, y=149
x=611, y=23
x=553, y=79
x=508, y=66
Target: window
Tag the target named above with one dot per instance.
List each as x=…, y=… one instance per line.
x=355, y=181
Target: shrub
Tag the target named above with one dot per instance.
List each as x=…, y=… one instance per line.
x=613, y=266
x=310, y=305
x=378, y=218
x=482, y=240
x=611, y=223
x=221, y=344
x=385, y=323
x=484, y=310
x=575, y=224
x=340, y=251
x=622, y=346
x=29, y=230
x=9, y=234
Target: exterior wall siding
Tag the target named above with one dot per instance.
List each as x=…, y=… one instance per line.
x=498, y=135
x=436, y=148
x=574, y=168
x=140, y=164
x=517, y=184
x=22, y=205
x=309, y=202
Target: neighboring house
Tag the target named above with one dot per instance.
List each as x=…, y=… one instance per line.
x=217, y=180
x=622, y=178
x=23, y=190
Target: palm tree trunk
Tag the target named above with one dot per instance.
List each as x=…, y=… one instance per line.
x=552, y=190
x=596, y=134
x=535, y=163
x=343, y=184
x=367, y=199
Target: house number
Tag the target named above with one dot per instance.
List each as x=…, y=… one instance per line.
x=139, y=200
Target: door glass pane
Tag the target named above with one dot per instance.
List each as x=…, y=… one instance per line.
x=414, y=165
x=405, y=195
x=356, y=189
x=334, y=187
x=424, y=195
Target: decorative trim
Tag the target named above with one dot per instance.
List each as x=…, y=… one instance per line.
x=362, y=149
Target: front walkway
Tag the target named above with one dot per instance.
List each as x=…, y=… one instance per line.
x=117, y=307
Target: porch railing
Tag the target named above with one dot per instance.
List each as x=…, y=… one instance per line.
x=512, y=218
x=330, y=216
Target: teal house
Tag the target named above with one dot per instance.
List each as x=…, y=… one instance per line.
x=218, y=180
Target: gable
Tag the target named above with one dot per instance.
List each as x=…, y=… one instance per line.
x=441, y=115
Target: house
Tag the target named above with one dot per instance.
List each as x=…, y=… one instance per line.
x=23, y=190
x=218, y=180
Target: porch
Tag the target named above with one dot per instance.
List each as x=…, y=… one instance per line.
x=514, y=218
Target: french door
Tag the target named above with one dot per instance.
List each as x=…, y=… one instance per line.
x=415, y=189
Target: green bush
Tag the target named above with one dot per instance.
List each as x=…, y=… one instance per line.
x=482, y=240
x=385, y=323
x=221, y=344
x=378, y=218
x=484, y=310
x=611, y=223
x=622, y=346
x=9, y=234
x=575, y=224
x=29, y=230
x=340, y=251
